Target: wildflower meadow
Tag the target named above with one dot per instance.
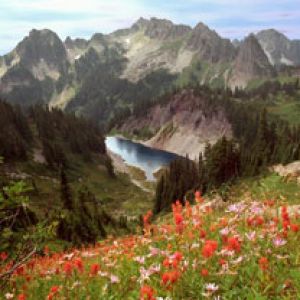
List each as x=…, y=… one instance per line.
x=247, y=250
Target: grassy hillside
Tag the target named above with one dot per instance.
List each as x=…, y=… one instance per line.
x=287, y=108
x=117, y=195
x=248, y=250
x=282, y=102
x=70, y=186
x=265, y=187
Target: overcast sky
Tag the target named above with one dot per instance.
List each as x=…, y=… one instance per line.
x=82, y=18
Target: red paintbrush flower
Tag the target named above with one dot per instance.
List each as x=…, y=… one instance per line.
x=170, y=277
x=147, y=293
x=204, y=272
x=22, y=297
x=209, y=248
x=294, y=227
x=202, y=233
x=94, y=269
x=263, y=263
x=233, y=244
x=68, y=268
x=78, y=264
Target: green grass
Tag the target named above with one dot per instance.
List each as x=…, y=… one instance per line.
x=283, y=106
x=255, y=83
x=267, y=187
x=116, y=194
x=287, y=110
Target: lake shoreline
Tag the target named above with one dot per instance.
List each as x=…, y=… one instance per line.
x=122, y=167
x=136, y=155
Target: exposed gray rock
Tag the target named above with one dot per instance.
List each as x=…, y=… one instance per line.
x=209, y=45
x=279, y=49
x=251, y=63
x=42, y=46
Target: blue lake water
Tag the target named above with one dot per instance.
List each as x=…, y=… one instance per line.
x=138, y=155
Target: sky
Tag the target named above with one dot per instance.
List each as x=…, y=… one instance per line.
x=82, y=18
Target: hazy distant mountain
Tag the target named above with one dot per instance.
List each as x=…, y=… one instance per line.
x=100, y=75
x=279, y=49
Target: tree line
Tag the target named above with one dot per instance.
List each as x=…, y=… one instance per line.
x=58, y=134
x=258, y=143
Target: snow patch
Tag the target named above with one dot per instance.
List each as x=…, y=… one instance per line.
x=269, y=56
x=286, y=61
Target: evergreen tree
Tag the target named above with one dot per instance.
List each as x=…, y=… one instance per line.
x=65, y=191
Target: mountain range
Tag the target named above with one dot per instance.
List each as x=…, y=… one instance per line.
x=109, y=73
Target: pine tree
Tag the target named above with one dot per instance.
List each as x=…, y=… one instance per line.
x=159, y=194
x=65, y=191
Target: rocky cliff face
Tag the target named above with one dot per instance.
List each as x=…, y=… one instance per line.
x=209, y=46
x=183, y=125
x=161, y=29
x=251, y=63
x=43, y=53
x=31, y=69
x=279, y=49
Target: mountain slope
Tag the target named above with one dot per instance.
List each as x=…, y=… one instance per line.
x=183, y=123
x=45, y=69
x=209, y=46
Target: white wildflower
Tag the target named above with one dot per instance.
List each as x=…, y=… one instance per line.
x=9, y=296
x=278, y=242
x=211, y=287
x=114, y=279
x=140, y=259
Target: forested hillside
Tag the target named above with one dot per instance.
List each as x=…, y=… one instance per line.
x=259, y=137
x=55, y=174
x=58, y=135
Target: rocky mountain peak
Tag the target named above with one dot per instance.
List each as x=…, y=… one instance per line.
x=202, y=28
x=209, y=45
x=278, y=47
x=140, y=23
x=251, y=41
x=271, y=34
x=250, y=63
x=45, y=33
x=161, y=29
x=42, y=45
x=98, y=37
x=250, y=50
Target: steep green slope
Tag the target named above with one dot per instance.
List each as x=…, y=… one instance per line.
x=62, y=158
